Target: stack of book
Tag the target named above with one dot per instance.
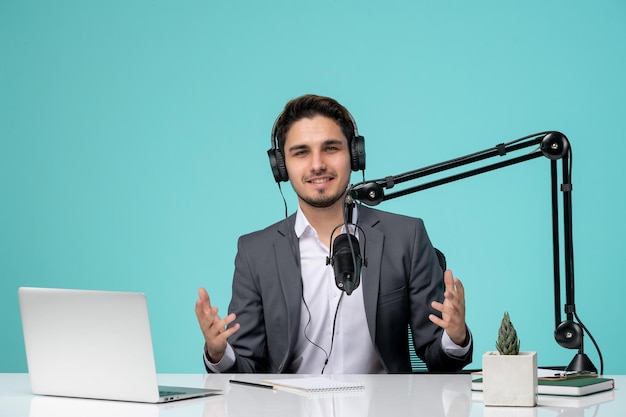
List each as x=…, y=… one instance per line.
x=560, y=390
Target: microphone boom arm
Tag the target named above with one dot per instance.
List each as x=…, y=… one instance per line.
x=371, y=192
x=553, y=145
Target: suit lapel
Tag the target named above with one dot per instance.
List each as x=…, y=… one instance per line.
x=373, y=244
x=290, y=279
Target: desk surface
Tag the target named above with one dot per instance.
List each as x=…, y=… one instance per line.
x=384, y=396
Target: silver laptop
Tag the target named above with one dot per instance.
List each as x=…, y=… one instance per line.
x=93, y=344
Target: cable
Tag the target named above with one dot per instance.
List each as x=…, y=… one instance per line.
x=290, y=229
x=306, y=306
x=332, y=337
x=585, y=329
x=593, y=341
x=327, y=354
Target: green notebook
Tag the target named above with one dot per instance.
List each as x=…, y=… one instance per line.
x=570, y=386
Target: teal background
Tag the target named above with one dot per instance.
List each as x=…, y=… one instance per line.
x=133, y=138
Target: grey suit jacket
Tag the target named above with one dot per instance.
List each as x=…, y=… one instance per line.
x=401, y=279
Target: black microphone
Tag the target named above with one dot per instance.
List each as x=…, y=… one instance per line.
x=346, y=266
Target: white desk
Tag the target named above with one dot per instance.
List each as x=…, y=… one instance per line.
x=425, y=395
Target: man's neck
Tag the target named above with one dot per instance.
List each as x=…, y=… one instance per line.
x=324, y=220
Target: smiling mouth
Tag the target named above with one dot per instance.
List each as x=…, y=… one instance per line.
x=320, y=180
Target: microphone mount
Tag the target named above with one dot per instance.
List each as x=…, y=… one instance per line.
x=550, y=144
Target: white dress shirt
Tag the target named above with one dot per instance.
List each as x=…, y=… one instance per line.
x=351, y=350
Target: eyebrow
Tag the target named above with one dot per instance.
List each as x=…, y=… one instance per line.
x=300, y=146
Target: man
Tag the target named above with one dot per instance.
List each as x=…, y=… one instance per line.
x=286, y=314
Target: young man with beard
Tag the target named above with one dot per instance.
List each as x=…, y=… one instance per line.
x=287, y=316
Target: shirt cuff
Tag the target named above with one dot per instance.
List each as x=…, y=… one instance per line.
x=452, y=349
x=227, y=361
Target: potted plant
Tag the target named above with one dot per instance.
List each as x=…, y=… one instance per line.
x=509, y=376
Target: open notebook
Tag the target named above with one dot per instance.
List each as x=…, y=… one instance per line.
x=92, y=344
x=314, y=385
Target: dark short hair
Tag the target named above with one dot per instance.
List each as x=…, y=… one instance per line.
x=309, y=106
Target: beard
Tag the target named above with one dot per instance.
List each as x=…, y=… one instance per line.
x=323, y=200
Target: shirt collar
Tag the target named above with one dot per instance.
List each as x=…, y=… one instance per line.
x=302, y=223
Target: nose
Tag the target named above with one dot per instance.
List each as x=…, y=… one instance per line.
x=318, y=162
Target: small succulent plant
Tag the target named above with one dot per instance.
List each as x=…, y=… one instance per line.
x=507, y=343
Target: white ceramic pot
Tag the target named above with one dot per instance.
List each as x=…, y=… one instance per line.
x=510, y=380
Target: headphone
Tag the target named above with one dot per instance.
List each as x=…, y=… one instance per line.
x=277, y=160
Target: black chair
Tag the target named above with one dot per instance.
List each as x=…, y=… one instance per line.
x=418, y=365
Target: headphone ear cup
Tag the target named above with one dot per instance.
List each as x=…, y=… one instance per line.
x=277, y=162
x=357, y=153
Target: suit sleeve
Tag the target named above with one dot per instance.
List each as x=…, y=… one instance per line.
x=249, y=343
x=426, y=285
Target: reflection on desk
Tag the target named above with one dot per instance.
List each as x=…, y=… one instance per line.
x=43, y=406
x=562, y=406
x=432, y=395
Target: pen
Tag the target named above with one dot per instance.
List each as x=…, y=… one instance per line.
x=250, y=384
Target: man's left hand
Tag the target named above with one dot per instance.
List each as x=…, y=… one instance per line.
x=452, y=310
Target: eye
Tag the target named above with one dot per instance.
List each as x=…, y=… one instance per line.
x=299, y=153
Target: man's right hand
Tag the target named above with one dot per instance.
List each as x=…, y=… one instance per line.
x=213, y=327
